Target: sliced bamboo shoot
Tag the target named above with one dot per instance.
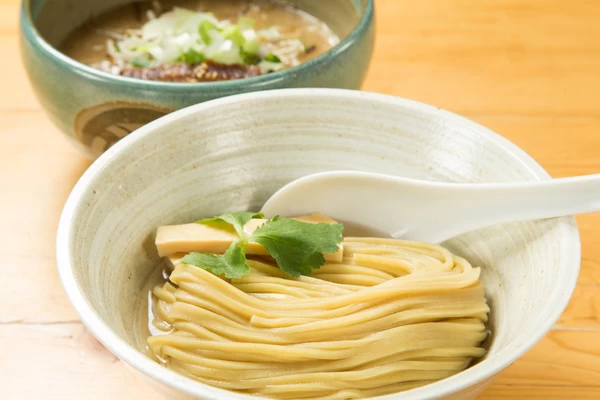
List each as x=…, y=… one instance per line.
x=187, y=238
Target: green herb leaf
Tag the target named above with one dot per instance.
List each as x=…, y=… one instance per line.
x=232, y=264
x=236, y=219
x=298, y=246
x=192, y=57
x=272, y=58
x=203, y=29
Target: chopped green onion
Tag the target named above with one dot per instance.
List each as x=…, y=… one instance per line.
x=233, y=33
x=272, y=58
x=267, y=67
x=249, y=58
x=140, y=63
x=144, y=49
x=192, y=57
x=184, y=36
x=203, y=29
x=252, y=45
x=229, y=55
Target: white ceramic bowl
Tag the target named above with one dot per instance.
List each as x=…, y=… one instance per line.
x=233, y=153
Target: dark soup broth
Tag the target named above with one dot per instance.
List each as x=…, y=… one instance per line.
x=199, y=40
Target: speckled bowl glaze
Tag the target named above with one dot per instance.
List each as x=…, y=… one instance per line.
x=95, y=109
x=231, y=154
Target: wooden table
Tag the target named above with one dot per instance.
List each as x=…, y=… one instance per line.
x=529, y=69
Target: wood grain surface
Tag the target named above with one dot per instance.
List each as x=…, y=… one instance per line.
x=528, y=69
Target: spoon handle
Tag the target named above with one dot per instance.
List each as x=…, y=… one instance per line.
x=432, y=211
x=491, y=204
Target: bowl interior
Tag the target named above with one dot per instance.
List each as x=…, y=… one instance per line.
x=56, y=19
x=233, y=153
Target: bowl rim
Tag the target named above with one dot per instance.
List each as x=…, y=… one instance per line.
x=30, y=32
x=570, y=245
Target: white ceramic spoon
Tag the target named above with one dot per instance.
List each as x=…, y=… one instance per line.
x=431, y=211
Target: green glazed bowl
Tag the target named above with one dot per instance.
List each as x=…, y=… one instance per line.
x=95, y=109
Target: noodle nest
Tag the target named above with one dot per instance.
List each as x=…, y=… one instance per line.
x=392, y=316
